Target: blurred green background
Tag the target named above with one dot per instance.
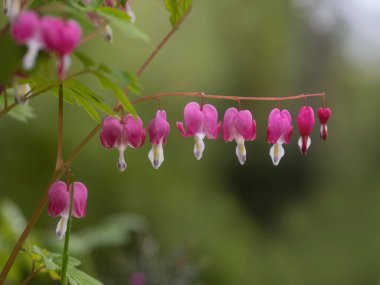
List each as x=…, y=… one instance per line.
x=311, y=220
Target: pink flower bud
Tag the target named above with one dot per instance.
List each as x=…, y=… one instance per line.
x=61, y=37
x=305, y=122
x=158, y=130
x=128, y=10
x=200, y=123
x=239, y=126
x=324, y=115
x=59, y=203
x=122, y=133
x=27, y=30
x=279, y=131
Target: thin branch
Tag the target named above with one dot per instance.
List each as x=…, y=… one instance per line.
x=59, y=160
x=141, y=70
x=32, y=275
x=222, y=97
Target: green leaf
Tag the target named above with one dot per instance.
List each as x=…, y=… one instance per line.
x=79, y=277
x=84, y=59
x=45, y=258
x=126, y=78
x=108, y=84
x=11, y=56
x=122, y=22
x=177, y=10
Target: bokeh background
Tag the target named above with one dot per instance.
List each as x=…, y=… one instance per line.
x=311, y=220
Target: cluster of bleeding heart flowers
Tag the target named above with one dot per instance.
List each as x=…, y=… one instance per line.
x=46, y=33
x=202, y=122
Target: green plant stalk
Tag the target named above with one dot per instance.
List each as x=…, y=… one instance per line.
x=65, y=255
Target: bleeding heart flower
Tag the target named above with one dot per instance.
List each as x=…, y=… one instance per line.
x=128, y=10
x=158, y=130
x=59, y=203
x=279, y=131
x=324, y=115
x=305, y=122
x=26, y=29
x=239, y=126
x=19, y=93
x=119, y=134
x=200, y=122
x=61, y=37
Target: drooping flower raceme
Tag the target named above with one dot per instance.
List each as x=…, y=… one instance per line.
x=324, y=115
x=62, y=37
x=305, y=122
x=26, y=30
x=239, y=126
x=59, y=203
x=200, y=122
x=158, y=130
x=279, y=132
x=116, y=133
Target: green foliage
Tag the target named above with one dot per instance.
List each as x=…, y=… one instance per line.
x=121, y=21
x=10, y=58
x=52, y=262
x=22, y=113
x=177, y=10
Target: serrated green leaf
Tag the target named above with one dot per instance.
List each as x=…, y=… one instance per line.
x=108, y=84
x=80, y=277
x=121, y=21
x=177, y=9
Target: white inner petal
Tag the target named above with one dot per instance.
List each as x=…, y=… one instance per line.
x=241, y=152
x=199, y=146
x=30, y=57
x=62, y=225
x=156, y=155
x=121, y=165
x=276, y=153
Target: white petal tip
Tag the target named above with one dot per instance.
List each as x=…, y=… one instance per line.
x=122, y=166
x=156, y=155
x=276, y=153
x=241, y=153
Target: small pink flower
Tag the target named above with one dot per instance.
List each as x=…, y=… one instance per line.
x=305, y=122
x=109, y=3
x=61, y=37
x=279, y=131
x=324, y=115
x=200, y=123
x=119, y=134
x=59, y=203
x=158, y=130
x=239, y=126
x=27, y=30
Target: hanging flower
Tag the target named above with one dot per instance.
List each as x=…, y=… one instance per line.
x=26, y=29
x=158, y=130
x=59, y=203
x=200, y=122
x=279, y=132
x=239, y=126
x=324, y=115
x=305, y=122
x=62, y=37
x=116, y=133
x=128, y=10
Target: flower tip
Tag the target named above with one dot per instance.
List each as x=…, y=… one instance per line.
x=276, y=153
x=304, y=144
x=156, y=155
x=122, y=166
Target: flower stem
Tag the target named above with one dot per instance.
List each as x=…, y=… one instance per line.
x=65, y=255
x=59, y=161
x=222, y=97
